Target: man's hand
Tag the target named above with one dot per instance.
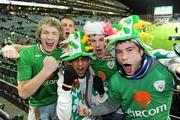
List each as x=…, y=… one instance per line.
x=9, y=51
x=69, y=76
x=98, y=85
x=50, y=64
x=84, y=110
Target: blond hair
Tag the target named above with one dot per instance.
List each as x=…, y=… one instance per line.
x=51, y=21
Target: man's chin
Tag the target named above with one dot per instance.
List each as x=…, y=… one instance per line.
x=81, y=75
x=49, y=50
x=129, y=73
x=99, y=56
x=66, y=37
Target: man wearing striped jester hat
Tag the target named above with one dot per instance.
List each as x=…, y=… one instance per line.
x=76, y=85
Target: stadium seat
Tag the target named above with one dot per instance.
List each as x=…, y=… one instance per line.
x=2, y=106
x=4, y=115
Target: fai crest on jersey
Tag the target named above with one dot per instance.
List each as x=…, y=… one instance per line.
x=159, y=85
x=111, y=64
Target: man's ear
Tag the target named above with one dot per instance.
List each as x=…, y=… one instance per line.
x=106, y=40
x=70, y=62
x=89, y=62
x=141, y=52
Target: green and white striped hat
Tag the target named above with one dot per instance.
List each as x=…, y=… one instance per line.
x=77, y=46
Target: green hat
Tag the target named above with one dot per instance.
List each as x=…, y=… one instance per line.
x=77, y=45
x=129, y=29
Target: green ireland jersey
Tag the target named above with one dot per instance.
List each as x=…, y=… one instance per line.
x=29, y=65
x=104, y=68
x=148, y=98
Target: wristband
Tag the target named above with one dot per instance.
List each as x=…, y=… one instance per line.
x=68, y=86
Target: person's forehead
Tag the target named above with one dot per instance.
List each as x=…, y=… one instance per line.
x=67, y=21
x=125, y=44
x=83, y=57
x=47, y=27
x=97, y=36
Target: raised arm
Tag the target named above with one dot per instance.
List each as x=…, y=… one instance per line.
x=29, y=87
x=12, y=51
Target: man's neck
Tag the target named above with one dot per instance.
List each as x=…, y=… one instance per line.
x=47, y=53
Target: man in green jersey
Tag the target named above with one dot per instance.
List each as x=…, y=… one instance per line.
x=142, y=86
x=104, y=66
x=37, y=70
x=12, y=51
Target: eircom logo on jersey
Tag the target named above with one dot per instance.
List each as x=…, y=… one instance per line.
x=143, y=99
x=147, y=113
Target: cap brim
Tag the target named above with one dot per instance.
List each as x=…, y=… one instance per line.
x=82, y=54
x=113, y=41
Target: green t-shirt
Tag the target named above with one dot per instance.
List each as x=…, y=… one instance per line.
x=29, y=65
x=148, y=98
x=104, y=68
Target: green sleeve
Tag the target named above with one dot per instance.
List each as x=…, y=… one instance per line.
x=24, y=68
x=114, y=89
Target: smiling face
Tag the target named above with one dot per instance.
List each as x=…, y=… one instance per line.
x=129, y=56
x=99, y=45
x=49, y=38
x=80, y=65
x=68, y=26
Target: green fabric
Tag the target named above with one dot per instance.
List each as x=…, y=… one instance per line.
x=76, y=101
x=155, y=105
x=80, y=54
x=128, y=31
x=76, y=47
x=29, y=65
x=108, y=67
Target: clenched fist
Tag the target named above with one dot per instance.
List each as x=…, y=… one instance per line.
x=69, y=76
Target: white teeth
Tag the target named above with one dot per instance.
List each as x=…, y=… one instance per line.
x=49, y=43
x=98, y=49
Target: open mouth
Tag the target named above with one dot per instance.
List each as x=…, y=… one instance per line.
x=98, y=51
x=49, y=44
x=81, y=72
x=127, y=68
x=67, y=33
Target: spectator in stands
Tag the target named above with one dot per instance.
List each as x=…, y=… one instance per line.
x=37, y=70
x=68, y=25
x=78, y=85
x=141, y=84
x=11, y=51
